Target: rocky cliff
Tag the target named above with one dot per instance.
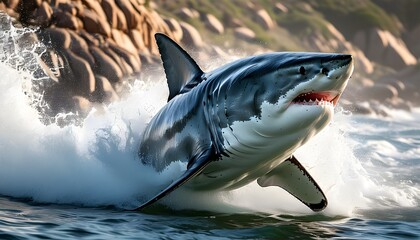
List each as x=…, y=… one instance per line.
x=94, y=46
x=382, y=36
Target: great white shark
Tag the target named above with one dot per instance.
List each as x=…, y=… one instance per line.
x=243, y=121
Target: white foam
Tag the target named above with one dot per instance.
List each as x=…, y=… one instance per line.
x=95, y=164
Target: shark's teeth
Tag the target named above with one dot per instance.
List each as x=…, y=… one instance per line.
x=317, y=98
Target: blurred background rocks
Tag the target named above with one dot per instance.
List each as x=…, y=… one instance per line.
x=96, y=46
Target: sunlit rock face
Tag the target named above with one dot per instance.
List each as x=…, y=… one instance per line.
x=92, y=46
x=383, y=47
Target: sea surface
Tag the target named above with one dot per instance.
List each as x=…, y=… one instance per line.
x=81, y=180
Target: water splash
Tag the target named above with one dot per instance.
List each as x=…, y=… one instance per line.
x=96, y=164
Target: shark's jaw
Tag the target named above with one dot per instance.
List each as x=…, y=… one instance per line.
x=317, y=98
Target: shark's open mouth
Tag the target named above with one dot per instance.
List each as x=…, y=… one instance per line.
x=317, y=98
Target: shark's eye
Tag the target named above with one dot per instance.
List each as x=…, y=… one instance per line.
x=324, y=71
x=302, y=70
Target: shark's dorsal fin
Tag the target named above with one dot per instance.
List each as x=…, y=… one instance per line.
x=179, y=67
x=293, y=177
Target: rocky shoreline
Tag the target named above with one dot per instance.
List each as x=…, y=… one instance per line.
x=94, y=47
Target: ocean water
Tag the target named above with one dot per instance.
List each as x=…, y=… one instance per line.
x=81, y=181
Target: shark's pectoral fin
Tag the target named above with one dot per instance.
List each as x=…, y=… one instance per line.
x=195, y=166
x=293, y=177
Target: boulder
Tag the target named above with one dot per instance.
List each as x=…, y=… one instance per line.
x=213, y=24
x=79, y=46
x=104, y=91
x=132, y=17
x=121, y=20
x=130, y=57
x=137, y=39
x=125, y=67
x=68, y=7
x=82, y=79
x=159, y=24
x=123, y=40
x=110, y=9
x=231, y=22
x=244, y=34
x=42, y=15
x=96, y=7
x=280, y=8
x=80, y=8
x=114, y=15
x=175, y=28
x=153, y=27
x=191, y=37
x=59, y=38
x=93, y=23
x=66, y=20
x=187, y=13
x=264, y=19
x=105, y=65
x=90, y=40
x=147, y=59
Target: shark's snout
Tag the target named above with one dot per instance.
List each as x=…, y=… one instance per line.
x=341, y=67
x=346, y=59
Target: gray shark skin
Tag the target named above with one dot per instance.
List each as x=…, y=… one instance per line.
x=243, y=121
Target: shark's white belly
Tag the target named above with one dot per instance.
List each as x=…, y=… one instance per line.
x=255, y=147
